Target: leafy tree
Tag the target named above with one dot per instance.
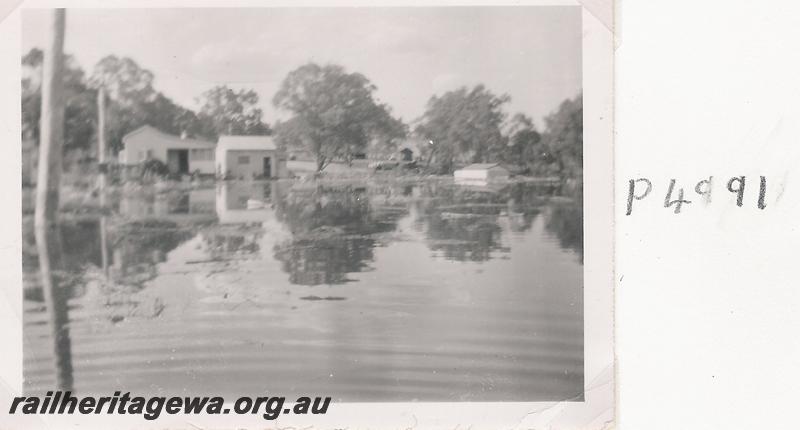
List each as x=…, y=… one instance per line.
x=130, y=90
x=124, y=81
x=169, y=117
x=227, y=111
x=464, y=126
x=289, y=133
x=80, y=110
x=134, y=102
x=523, y=142
x=335, y=113
x=563, y=137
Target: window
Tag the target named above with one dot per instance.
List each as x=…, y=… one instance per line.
x=244, y=159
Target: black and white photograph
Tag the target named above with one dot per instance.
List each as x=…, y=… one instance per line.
x=399, y=214
x=370, y=204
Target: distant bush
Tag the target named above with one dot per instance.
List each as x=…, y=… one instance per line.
x=153, y=168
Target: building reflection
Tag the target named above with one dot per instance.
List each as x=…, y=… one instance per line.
x=179, y=206
x=246, y=218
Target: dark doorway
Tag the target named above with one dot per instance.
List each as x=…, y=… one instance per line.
x=178, y=161
x=407, y=154
x=267, y=167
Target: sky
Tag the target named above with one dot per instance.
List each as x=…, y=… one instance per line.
x=531, y=53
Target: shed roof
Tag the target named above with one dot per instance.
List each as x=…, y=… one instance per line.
x=246, y=143
x=482, y=166
x=167, y=138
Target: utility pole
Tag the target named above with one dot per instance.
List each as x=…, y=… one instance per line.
x=102, y=174
x=47, y=231
x=52, y=124
x=101, y=127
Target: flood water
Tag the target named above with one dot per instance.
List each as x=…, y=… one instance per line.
x=402, y=291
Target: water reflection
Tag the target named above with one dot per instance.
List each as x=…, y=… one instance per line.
x=333, y=233
x=152, y=276
x=53, y=281
x=139, y=246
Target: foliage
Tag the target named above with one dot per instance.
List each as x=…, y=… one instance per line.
x=335, y=116
x=226, y=111
x=153, y=168
x=80, y=110
x=469, y=126
x=124, y=81
x=523, y=142
x=563, y=138
x=464, y=126
x=335, y=113
x=133, y=102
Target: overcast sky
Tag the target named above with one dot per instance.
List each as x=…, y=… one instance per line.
x=531, y=53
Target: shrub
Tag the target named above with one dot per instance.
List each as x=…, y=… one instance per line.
x=153, y=168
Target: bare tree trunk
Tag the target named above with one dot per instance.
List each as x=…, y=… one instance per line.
x=51, y=128
x=322, y=162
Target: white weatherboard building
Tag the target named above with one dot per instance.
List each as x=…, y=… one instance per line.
x=247, y=157
x=481, y=172
x=181, y=155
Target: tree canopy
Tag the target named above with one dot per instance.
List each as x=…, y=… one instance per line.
x=335, y=113
x=523, y=141
x=79, y=112
x=470, y=126
x=563, y=137
x=133, y=101
x=228, y=111
x=464, y=126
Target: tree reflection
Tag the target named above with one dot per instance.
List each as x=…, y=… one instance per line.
x=138, y=246
x=565, y=217
x=127, y=254
x=333, y=233
x=462, y=222
x=223, y=241
x=525, y=202
x=324, y=260
x=565, y=221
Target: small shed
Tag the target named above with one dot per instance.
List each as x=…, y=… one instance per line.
x=409, y=150
x=182, y=155
x=406, y=154
x=250, y=157
x=482, y=172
